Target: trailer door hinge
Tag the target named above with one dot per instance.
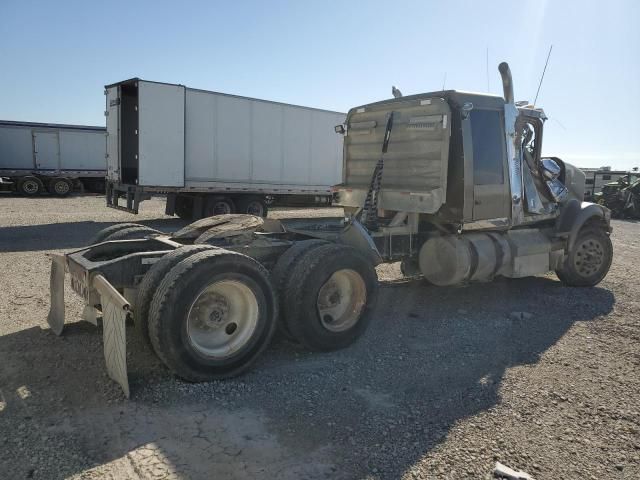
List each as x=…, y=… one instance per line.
x=106, y=113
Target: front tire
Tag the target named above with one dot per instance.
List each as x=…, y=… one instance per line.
x=329, y=297
x=212, y=315
x=589, y=260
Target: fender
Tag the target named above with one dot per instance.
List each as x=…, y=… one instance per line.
x=575, y=214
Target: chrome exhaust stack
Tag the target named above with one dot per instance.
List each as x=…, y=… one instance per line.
x=507, y=82
x=514, y=154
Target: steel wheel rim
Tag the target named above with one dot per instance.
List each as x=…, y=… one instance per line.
x=61, y=187
x=221, y=208
x=341, y=300
x=589, y=257
x=30, y=186
x=255, y=208
x=222, y=319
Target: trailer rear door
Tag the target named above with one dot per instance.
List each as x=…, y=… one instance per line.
x=113, y=134
x=46, y=150
x=161, y=134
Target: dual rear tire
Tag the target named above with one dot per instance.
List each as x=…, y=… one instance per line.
x=327, y=293
x=209, y=313
x=212, y=314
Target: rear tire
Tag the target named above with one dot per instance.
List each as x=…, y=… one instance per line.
x=30, y=186
x=589, y=260
x=151, y=281
x=106, y=232
x=252, y=206
x=212, y=315
x=281, y=273
x=132, y=233
x=60, y=187
x=329, y=297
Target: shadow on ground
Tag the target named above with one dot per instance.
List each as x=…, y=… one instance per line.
x=431, y=357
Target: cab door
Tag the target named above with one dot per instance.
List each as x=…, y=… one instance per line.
x=490, y=181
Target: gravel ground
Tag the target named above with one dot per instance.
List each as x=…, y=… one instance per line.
x=444, y=383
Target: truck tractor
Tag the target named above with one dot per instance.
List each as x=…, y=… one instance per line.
x=451, y=184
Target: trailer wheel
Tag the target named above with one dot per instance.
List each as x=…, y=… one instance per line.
x=253, y=206
x=60, y=186
x=151, y=281
x=212, y=315
x=330, y=296
x=30, y=186
x=219, y=205
x=281, y=273
x=132, y=233
x=409, y=267
x=589, y=260
x=184, y=207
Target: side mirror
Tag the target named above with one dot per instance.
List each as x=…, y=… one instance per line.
x=466, y=109
x=339, y=129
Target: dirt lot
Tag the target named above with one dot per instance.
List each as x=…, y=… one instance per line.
x=445, y=382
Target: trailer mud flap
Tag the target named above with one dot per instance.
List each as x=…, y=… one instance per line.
x=114, y=316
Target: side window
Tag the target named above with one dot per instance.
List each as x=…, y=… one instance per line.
x=488, y=147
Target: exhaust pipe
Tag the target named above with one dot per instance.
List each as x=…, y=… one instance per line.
x=507, y=82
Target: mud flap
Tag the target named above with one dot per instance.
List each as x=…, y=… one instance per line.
x=114, y=315
x=55, y=319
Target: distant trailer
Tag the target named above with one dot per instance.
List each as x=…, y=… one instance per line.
x=214, y=153
x=38, y=158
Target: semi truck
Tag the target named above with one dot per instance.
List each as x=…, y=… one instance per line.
x=213, y=153
x=451, y=184
x=38, y=158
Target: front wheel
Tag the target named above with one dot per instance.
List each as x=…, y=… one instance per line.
x=589, y=260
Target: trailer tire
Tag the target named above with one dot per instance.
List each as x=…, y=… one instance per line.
x=328, y=282
x=281, y=273
x=151, y=281
x=60, y=186
x=594, y=245
x=30, y=186
x=184, y=207
x=252, y=205
x=132, y=233
x=240, y=311
x=219, y=205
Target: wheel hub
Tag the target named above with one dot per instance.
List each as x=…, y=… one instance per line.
x=222, y=318
x=30, y=186
x=61, y=187
x=341, y=300
x=589, y=257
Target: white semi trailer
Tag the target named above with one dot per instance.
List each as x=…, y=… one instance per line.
x=214, y=153
x=47, y=157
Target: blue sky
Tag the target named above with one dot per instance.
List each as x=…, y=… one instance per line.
x=55, y=57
